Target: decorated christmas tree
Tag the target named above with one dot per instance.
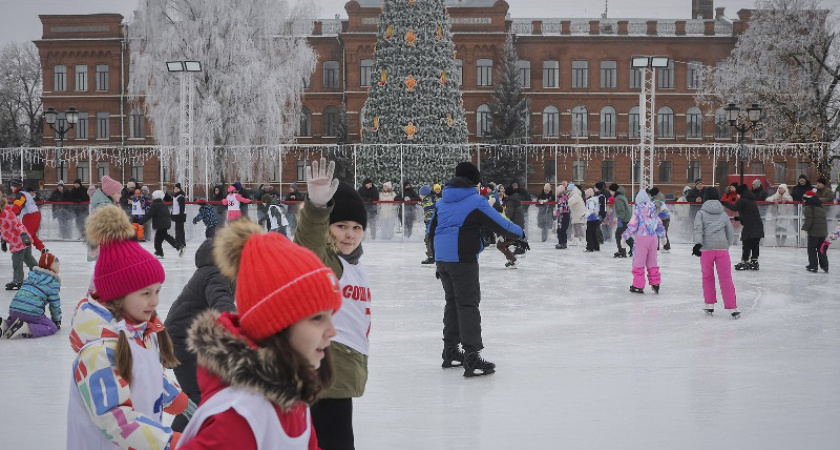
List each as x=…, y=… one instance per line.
x=414, y=97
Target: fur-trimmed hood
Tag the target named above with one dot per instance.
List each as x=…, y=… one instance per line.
x=226, y=353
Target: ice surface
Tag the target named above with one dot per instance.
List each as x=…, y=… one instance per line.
x=582, y=363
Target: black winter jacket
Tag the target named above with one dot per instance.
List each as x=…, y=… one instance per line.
x=748, y=215
x=182, y=203
x=159, y=215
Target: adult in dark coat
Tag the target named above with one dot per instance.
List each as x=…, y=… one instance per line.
x=218, y=198
x=369, y=195
x=758, y=191
x=62, y=213
x=545, y=210
x=207, y=289
x=162, y=220
x=179, y=215
x=409, y=195
x=816, y=226
x=803, y=185
x=752, y=227
x=80, y=212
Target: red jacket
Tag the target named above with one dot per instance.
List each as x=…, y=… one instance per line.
x=12, y=228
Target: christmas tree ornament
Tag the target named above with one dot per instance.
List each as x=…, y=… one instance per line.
x=389, y=32
x=410, y=37
x=449, y=121
x=443, y=77
x=383, y=78
x=375, y=124
x=410, y=82
x=410, y=129
x=439, y=34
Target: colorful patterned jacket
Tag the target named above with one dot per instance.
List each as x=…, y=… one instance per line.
x=103, y=388
x=206, y=213
x=645, y=221
x=11, y=229
x=39, y=289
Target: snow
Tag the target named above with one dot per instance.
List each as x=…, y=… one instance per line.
x=582, y=363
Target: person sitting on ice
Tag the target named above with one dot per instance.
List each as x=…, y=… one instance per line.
x=645, y=226
x=27, y=317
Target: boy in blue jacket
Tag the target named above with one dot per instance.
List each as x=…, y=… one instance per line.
x=27, y=315
x=456, y=239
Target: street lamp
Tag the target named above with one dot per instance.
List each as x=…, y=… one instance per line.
x=733, y=116
x=647, y=65
x=71, y=116
x=182, y=68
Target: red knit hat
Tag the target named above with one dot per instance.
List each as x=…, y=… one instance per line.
x=123, y=265
x=278, y=282
x=47, y=260
x=809, y=194
x=110, y=186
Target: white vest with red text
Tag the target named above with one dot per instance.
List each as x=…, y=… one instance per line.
x=352, y=321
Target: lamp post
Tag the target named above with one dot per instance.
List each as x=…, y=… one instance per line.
x=647, y=110
x=733, y=116
x=71, y=117
x=187, y=95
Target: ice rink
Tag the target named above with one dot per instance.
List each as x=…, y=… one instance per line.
x=582, y=362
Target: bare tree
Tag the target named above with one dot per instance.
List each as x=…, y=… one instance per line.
x=20, y=95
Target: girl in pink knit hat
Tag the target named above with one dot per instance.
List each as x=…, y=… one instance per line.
x=119, y=391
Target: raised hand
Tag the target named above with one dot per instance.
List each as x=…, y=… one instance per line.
x=320, y=182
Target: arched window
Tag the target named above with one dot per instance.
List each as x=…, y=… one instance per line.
x=608, y=117
x=366, y=72
x=305, y=122
x=580, y=127
x=694, y=123
x=722, y=128
x=137, y=123
x=551, y=122
x=330, y=120
x=483, y=119
x=665, y=122
x=635, y=124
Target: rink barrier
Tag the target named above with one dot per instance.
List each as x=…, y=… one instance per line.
x=782, y=222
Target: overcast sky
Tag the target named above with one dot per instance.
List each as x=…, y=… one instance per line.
x=19, y=18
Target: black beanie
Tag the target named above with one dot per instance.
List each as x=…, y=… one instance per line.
x=614, y=187
x=348, y=206
x=711, y=193
x=600, y=185
x=469, y=171
x=654, y=191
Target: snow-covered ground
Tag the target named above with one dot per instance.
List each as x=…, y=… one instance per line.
x=582, y=362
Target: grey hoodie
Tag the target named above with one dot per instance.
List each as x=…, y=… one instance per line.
x=712, y=227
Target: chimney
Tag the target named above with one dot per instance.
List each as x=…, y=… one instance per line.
x=702, y=9
x=719, y=13
x=536, y=26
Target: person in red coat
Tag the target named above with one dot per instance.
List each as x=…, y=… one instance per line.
x=261, y=369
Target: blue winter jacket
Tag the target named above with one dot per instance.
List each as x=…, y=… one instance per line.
x=39, y=290
x=455, y=228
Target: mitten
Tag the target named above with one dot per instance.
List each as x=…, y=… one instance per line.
x=3, y=246
x=696, y=250
x=823, y=247
x=320, y=182
x=25, y=238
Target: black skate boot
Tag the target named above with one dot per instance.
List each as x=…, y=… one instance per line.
x=13, y=328
x=510, y=264
x=636, y=290
x=474, y=362
x=620, y=254
x=560, y=246
x=12, y=286
x=667, y=247
x=453, y=356
x=735, y=313
x=825, y=269
x=709, y=308
x=428, y=260
x=743, y=265
x=808, y=268
x=753, y=264
x=655, y=288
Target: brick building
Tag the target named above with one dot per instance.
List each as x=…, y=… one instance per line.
x=576, y=74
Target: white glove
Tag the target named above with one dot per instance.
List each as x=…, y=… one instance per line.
x=320, y=182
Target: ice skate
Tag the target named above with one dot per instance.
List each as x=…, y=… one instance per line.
x=181, y=251
x=453, y=356
x=428, y=260
x=12, y=286
x=620, y=254
x=709, y=308
x=667, y=247
x=560, y=246
x=735, y=313
x=474, y=362
x=16, y=326
x=158, y=256
x=743, y=265
x=636, y=290
x=808, y=268
x=655, y=288
x=753, y=264
x=825, y=269
x=510, y=264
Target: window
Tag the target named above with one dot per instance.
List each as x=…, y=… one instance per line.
x=523, y=71
x=60, y=78
x=722, y=128
x=665, y=122
x=549, y=171
x=331, y=74
x=665, y=171
x=307, y=82
x=608, y=70
x=60, y=124
x=580, y=74
x=81, y=78
x=608, y=122
x=636, y=78
x=82, y=126
x=580, y=128
x=721, y=171
x=137, y=123
x=551, y=122
x=695, y=72
x=636, y=167
x=757, y=168
x=759, y=133
x=666, y=76
x=803, y=168
x=137, y=172
x=367, y=72
x=483, y=120
x=82, y=172
x=305, y=122
x=779, y=172
x=459, y=71
x=101, y=77
x=694, y=123
x=330, y=120
x=102, y=169
x=61, y=171
x=485, y=72
x=301, y=170
x=720, y=69
x=693, y=171
x=608, y=170
x=579, y=171
x=102, y=119
x=551, y=74
x=164, y=173
x=635, y=125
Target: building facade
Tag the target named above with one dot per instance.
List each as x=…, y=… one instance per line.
x=575, y=73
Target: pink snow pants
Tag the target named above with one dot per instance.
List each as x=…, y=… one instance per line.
x=644, y=255
x=719, y=259
x=233, y=215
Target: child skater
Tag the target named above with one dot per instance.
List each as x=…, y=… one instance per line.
x=207, y=214
x=119, y=391
x=713, y=234
x=332, y=223
x=162, y=220
x=16, y=240
x=234, y=204
x=277, y=220
x=593, y=221
x=830, y=240
x=27, y=317
x=261, y=369
x=817, y=228
x=645, y=226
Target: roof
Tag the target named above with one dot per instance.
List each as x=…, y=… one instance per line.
x=454, y=3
